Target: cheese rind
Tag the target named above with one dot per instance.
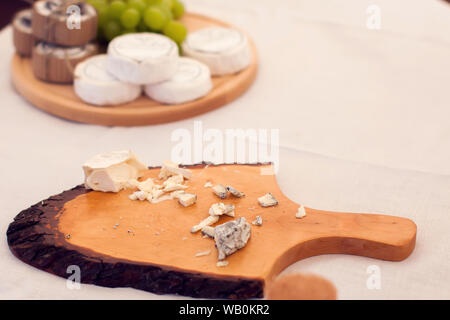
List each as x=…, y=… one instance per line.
x=191, y=81
x=110, y=172
x=142, y=58
x=223, y=50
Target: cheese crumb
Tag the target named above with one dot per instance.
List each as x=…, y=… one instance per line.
x=205, y=222
x=203, y=253
x=187, y=199
x=220, y=191
x=301, y=212
x=218, y=209
x=267, y=200
x=258, y=221
x=235, y=192
x=222, y=263
x=208, y=184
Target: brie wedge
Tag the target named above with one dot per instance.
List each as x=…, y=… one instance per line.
x=95, y=85
x=110, y=172
x=191, y=81
x=142, y=58
x=223, y=50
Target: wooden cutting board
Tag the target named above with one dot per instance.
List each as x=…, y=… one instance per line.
x=153, y=249
x=61, y=100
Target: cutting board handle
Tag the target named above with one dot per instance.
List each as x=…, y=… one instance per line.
x=371, y=235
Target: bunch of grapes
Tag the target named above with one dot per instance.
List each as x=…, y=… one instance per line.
x=117, y=17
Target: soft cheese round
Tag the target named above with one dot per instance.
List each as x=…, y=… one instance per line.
x=142, y=58
x=95, y=85
x=191, y=81
x=223, y=50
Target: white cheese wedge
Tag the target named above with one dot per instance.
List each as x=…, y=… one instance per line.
x=95, y=85
x=208, y=231
x=111, y=172
x=223, y=50
x=142, y=58
x=191, y=81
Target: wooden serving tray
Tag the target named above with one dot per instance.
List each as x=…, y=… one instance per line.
x=62, y=101
x=152, y=248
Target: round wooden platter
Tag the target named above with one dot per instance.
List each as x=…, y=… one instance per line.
x=62, y=101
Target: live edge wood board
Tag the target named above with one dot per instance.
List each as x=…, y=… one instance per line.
x=152, y=248
x=62, y=101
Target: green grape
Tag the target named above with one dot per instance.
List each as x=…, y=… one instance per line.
x=130, y=18
x=166, y=11
x=154, y=2
x=97, y=3
x=102, y=13
x=116, y=8
x=177, y=9
x=126, y=31
x=111, y=30
x=168, y=4
x=176, y=31
x=139, y=5
x=155, y=18
x=142, y=26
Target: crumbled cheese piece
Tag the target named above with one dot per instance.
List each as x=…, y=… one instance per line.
x=203, y=253
x=132, y=183
x=208, y=231
x=146, y=185
x=178, y=179
x=222, y=263
x=206, y=222
x=176, y=194
x=187, y=199
x=220, y=191
x=267, y=200
x=231, y=236
x=218, y=209
x=133, y=196
x=208, y=184
x=173, y=187
x=138, y=195
x=301, y=212
x=170, y=168
x=161, y=199
x=258, y=221
x=156, y=193
x=235, y=193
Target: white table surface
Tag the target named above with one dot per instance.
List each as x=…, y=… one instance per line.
x=364, y=119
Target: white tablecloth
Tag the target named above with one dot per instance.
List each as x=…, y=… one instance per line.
x=364, y=119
